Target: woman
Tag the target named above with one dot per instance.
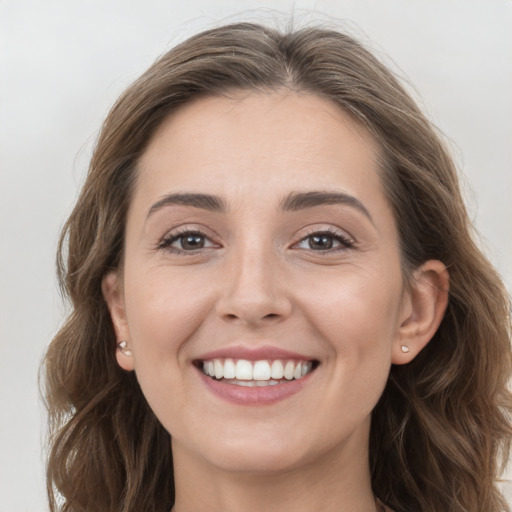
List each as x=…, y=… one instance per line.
x=277, y=302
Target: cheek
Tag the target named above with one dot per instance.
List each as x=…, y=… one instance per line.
x=163, y=309
x=356, y=315
x=164, y=313
x=360, y=307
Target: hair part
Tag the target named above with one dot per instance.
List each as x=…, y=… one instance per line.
x=443, y=421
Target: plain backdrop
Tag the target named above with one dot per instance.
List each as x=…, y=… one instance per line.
x=63, y=63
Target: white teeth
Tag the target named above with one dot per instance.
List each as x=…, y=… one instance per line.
x=277, y=371
x=229, y=369
x=246, y=383
x=219, y=372
x=262, y=383
x=243, y=370
x=261, y=370
x=297, y=373
x=254, y=383
x=256, y=373
x=289, y=370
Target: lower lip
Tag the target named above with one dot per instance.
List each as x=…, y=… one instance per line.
x=256, y=395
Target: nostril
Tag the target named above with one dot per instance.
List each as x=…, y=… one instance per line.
x=253, y=309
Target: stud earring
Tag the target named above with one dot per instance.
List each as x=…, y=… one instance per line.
x=405, y=349
x=123, y=347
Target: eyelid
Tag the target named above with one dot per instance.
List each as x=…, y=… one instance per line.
x=346, y=240
x=164, y=243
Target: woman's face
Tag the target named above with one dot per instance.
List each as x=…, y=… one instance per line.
x=260, y=246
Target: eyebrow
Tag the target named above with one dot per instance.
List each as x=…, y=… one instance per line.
x=203, y=201
x=302, y=200
x=293, y=202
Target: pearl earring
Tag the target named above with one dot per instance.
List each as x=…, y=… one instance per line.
x=405, y=349
x=123, y=347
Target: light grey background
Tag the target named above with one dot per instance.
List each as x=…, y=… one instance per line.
x=63, y=63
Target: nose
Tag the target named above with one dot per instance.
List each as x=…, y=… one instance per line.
x=254, y=292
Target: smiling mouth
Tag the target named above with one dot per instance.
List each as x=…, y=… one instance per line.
x=261, y=373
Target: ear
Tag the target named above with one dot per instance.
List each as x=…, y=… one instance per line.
x=112, y=289
x=423, y=309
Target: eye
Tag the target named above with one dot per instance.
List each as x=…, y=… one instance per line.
x=325, y=241
x=185, y=241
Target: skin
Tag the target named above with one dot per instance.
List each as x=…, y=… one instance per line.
x=258, y=281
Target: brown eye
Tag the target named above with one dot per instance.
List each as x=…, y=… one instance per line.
x=325, y=241
x=320, y=242
x=191, y=242
x=186, y=241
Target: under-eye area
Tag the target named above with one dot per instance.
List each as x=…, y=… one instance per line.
x=265, y=372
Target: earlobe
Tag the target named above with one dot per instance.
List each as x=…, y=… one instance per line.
x=427, y=299
x=113, y=295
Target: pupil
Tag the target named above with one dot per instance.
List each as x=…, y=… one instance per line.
x=192, y=242
x=320, y=242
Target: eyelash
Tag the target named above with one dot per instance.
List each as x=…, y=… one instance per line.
x=346, y=243
x=166, y=243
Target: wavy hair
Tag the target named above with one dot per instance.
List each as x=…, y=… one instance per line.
x=442, y=425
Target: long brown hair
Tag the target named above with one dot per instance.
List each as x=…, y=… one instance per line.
x=442, y=425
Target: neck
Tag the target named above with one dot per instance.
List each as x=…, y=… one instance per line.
x=337, y=482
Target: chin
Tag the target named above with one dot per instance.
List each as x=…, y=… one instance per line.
x=249, y=454
x=258, y=460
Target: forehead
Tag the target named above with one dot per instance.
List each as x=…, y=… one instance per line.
x=257, y=143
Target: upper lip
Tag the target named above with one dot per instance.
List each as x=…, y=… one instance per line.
x=250, y=353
